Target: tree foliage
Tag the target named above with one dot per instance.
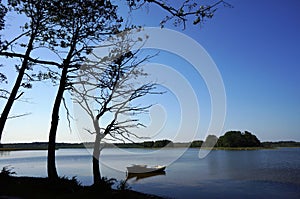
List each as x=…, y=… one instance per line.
x=196, y=143
x=238, y=139
x=3, y=11
x=148, y=144
x=210, y=141
x=3, y=78
x=37, y=26
x=163, y=143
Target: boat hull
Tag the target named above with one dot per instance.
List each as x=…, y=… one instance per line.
x=142, y=169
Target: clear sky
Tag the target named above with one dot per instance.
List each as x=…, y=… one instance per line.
x=256, y=47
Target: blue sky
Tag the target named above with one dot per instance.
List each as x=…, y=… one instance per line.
x=255, y=46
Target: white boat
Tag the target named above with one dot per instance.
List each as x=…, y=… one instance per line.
x=137, y=168
x=140, y=176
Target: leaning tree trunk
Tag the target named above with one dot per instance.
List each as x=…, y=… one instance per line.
x=14, y=92
x=96, y=156
x=51, y=166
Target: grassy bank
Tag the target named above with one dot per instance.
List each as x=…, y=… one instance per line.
x=30, y=187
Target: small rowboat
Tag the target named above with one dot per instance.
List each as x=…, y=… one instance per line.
x=137, y=168
x=140, y=176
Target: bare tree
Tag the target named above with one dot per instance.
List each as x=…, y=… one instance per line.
x=109, y=89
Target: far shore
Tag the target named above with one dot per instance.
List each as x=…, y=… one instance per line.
x=32, y=148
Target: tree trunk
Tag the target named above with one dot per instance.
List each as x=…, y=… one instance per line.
x=51, y=166
x=96, y=156
x=17, y=85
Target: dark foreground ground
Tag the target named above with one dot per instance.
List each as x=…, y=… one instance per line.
x=29, y=187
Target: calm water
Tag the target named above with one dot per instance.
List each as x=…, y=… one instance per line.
x=234, y=174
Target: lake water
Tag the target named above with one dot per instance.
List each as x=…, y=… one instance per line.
x=221, y=174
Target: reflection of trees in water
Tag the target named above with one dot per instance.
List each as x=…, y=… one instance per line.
x=4, y=153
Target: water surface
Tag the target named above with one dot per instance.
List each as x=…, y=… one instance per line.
x=234, y=174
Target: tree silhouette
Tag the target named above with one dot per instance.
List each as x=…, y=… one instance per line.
x=210, y=141
x=108, y=89
x=38, y=26
x=72, y=34
x=238, y=139
x=180, y=12
x=3, y=93
x=82, y=23
x=3, y=11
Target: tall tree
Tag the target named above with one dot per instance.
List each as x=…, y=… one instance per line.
x=109, y=89
x=82, y=24
x=35, y=30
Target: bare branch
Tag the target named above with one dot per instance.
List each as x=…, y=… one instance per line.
x=7, y=44
x=68, y=114
x=17, y=116
x=19, y=95
x=9, y=54
x=180, y=15
x=89, y=131
x=111, y=85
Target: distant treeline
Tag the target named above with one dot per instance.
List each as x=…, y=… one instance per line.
x=281, y=144
x=231, y=139
x=41, y=145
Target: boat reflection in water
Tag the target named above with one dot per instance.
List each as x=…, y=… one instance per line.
x=139, y=176
x=138, y=168
x=142, y=171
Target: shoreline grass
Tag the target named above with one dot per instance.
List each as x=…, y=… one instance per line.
x=35, y=187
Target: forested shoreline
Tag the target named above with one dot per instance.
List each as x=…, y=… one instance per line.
x=230, y=140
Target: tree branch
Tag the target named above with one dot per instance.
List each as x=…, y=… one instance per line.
x=68, y=114
x=17, y=116
x=9, y=54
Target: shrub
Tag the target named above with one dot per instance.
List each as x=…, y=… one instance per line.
x=7, y=172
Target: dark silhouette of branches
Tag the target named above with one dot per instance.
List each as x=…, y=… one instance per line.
x=17, y=116
x=112, y=87
x=71, y=29
x=81, y=26
x=3, y=11
x=33, y=60
x=37, y=29
x=180, y=14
